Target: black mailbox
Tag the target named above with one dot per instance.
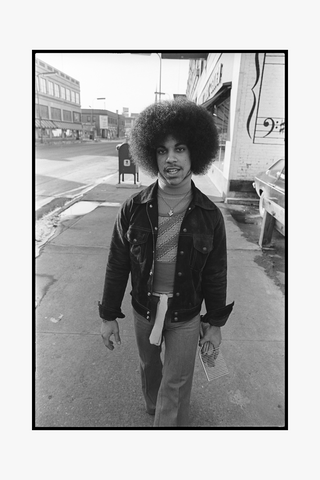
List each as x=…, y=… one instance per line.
x=126, y=165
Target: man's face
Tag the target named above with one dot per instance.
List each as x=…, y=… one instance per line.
x=173, y=158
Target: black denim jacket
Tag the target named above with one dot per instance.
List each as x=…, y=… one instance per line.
x=201, y=266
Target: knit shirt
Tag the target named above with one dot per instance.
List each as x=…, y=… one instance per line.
x=168, y=235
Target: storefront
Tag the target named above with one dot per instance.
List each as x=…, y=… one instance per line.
x=245, y=94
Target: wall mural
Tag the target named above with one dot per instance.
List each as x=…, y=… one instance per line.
x=266, y=120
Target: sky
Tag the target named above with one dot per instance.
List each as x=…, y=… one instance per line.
x=123, y=79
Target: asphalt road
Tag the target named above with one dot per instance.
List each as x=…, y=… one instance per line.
x=64, y=170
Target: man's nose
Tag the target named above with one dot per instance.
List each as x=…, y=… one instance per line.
x=171, y=158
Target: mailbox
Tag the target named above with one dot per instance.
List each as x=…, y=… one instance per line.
x=126, y=165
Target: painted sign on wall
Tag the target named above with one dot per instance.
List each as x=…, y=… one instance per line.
x=103, y=121
x=266, y=120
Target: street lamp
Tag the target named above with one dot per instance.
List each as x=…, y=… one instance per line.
x=38, y=91
x=160, y=93
x=159, y=55
x=102, y=98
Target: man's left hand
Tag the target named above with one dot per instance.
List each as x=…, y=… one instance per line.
x=211, y=334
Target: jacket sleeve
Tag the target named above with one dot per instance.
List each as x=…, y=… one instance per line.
x=214, y=278
x=117, y=271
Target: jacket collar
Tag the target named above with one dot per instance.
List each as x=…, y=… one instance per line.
x=150, y=193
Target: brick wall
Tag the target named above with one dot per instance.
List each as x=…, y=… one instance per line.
x=252, y=151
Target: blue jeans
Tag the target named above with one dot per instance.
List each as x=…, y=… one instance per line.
x=167, y=387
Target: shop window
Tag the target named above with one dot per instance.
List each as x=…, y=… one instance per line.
x=56, y=90
x=55, y=113
x=57, y=133
x=221, y=113
x=42, y=110
x=76, y=117
x=67, y=117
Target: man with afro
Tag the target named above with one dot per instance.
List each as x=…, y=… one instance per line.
x=171, y=238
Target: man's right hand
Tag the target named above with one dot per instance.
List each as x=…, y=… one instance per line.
x=108, y=329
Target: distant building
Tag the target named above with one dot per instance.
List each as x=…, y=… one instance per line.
x=245, y=92
x=125, y=112
x=57, y=108
x=99, y=123
x=129, y=122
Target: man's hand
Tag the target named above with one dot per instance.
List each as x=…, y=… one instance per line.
x=108, y=329
x=209, y=333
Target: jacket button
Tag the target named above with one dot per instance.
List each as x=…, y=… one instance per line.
x=204, y=249
x=175, y=319
x=148, y=313
x=148, y=317
x=150, y=206
x=156, y=228
x=184, y=230
x=181, y=252
x=179, y=274
x=149, y=294
x=175, y=313
x=177, y=294
x=134, y=240
x=151, y=272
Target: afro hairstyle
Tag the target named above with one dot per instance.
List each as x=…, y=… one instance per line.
x=187, y=122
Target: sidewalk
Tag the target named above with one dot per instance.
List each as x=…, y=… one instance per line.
x=81, y=384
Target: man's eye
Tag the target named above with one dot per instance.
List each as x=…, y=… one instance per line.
x=180, y=149
x=161, y=151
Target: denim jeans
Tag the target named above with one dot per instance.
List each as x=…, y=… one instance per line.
x=167, y=387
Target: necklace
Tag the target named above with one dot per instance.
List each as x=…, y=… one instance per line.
x=170, y=212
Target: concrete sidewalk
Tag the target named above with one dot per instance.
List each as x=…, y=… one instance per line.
x=81, y=384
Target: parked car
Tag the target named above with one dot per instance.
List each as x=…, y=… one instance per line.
x=271, y=184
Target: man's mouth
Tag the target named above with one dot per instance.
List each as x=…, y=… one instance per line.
x=172, y=170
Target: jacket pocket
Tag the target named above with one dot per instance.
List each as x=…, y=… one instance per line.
x=138, y=244
x=202, y=246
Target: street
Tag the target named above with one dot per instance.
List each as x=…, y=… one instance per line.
x=68, y=169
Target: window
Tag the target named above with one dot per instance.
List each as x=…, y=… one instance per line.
x=221, y=118
x=67, y=117
x=43, y=86
x=88, y=118
x=56, y=90
x=63, y=93
x=77, y=98
x=43, y=110
x=76, y=117
x=68, y=94
x=50, y=85
x=55, y=113
x=73, y=97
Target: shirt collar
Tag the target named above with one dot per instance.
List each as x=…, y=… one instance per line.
x=199, y=199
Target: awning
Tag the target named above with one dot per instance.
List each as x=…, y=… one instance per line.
x=222, y=93
x=68, y=125
x=44, y=123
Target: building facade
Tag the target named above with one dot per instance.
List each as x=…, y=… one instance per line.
x=245, y=92
x=58, y=104
x=99, y=123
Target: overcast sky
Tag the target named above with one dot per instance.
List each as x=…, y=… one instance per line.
x=123, y=79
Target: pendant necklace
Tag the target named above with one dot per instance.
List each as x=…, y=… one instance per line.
x=170, y=212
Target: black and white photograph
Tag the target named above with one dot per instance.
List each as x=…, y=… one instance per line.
x=160, y=239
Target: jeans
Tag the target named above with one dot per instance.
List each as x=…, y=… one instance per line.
x=167, y=387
